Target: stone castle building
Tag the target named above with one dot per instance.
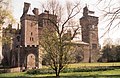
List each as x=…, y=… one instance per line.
x=90, y=33
x=25, y=50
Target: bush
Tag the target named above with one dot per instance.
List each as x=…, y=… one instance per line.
x=87, y=69
x=40, y=71
x=84, y=69
x=68, y=70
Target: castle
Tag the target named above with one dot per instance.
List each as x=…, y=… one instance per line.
x=24, y=50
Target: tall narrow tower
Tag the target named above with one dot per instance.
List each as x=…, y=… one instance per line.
x=29, y=54
x=90, y=33
x=29, y=28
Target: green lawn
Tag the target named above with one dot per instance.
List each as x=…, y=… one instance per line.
x=111, y=73
x=97, y=74
x=92, y=65
x=81, y=65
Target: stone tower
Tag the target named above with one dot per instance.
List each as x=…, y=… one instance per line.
x=29, y=50
x=46, y=20
x=89, y=30
x=31, y=29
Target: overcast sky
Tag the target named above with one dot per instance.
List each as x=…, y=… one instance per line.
x=17, y=6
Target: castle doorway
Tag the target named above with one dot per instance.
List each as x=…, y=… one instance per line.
x=31, y=61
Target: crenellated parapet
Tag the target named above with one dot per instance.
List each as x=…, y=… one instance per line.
x=89, y=20
x=29, y=17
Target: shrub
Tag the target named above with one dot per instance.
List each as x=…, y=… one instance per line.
x=87, y=69
x=68, y=70
x=40, y=71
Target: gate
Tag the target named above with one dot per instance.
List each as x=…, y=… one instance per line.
x=31, y=61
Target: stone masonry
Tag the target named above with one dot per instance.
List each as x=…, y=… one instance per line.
x=26, y=52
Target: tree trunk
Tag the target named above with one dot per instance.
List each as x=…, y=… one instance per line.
x=57, y=75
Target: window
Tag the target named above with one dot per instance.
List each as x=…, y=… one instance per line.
x=45, y=22
x=94, y=46
x=31, y=33
x=18, y=38
x=31, y=39
x=40, y=23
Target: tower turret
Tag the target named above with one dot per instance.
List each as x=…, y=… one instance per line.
x=89, y=30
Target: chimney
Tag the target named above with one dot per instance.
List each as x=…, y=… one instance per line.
x=26, y=8
x=47, y=12
x=35, y=11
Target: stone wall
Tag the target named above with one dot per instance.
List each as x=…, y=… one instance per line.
x=10, y=70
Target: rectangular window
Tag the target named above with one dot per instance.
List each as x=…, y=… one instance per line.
x=31, y=39
x=40, y=23
x=31, y=33
x=94, y=46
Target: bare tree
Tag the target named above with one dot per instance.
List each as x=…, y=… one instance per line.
x=57, y=44
x=111, y=12
x=5, y=13
x=108, y=41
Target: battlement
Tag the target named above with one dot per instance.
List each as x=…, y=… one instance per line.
x=89, y=20
x=46, y=15
x=30, y=46
x=29, y=17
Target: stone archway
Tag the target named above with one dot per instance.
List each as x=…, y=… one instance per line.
x=31, y=61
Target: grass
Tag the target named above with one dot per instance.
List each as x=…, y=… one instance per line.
x=92, y=65
x=85, y=65
x=96, y=74
x=108, y=73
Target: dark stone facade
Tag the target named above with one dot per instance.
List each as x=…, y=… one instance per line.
x=31, y=29
x=89, y=30
x=24, y=57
